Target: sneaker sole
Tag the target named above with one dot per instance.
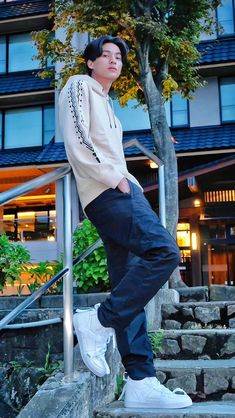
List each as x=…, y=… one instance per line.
x=153, y=405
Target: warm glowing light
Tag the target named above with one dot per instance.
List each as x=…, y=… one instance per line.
x=197, y=203
x=40, y=196
x=50, y=238
x=194, y=240
x=153, y=164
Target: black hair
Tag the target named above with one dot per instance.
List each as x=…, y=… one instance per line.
x=95, y=48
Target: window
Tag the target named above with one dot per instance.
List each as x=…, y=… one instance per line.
x=227, y=99
x=137, y=118
x=17, y=52
x=30, y=225
x=49, y=123
x=132, y=118
x=21, y=52
x=225, y=16
x=2, y=54
x=28, y=127
x=0, y=130
x=177, y=111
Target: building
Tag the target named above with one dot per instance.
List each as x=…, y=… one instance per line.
x=204, y=129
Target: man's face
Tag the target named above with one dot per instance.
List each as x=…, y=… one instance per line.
x=109, y=65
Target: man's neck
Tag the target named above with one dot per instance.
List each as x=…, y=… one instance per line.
x=106, y=84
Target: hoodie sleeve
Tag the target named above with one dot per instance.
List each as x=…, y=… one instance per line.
x=74, y=115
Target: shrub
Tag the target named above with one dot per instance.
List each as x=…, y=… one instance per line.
x=12, y=259
x=92, y=272
x=43, y=272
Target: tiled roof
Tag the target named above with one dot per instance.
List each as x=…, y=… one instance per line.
x=21, y=83
x=54, y=151
x=219, y=50
x=201, y=138
x=190, y=139
x=16, y=9
x=144, y=137
x=17, y=158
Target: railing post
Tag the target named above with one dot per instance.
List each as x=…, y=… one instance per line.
x=68, y=280
x=162, y=195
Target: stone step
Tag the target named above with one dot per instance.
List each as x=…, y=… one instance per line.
x=196, y=344
x=193, y=294
x=207, y=380
x=205, y=293
x=198, y=315
x=197, y=410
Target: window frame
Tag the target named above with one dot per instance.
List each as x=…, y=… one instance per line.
x=171, y=116
x=43, y=144
x=226, y=122
x=171, y=111
x=7, y=72
x=225, y=35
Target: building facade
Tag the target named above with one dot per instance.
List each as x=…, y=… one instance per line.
x=204, y=128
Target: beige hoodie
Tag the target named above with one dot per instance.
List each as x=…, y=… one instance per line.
x=92, y=136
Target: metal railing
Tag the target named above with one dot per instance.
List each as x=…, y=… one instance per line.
x=161, y=175
x=9, y=195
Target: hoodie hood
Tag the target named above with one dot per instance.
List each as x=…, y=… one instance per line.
x=96, y=86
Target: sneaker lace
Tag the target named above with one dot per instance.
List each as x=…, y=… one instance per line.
x=155, y=384
x=161, y=388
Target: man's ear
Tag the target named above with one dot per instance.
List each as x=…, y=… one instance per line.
x=90, y=64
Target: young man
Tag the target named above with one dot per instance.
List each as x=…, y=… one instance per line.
x=141, y=253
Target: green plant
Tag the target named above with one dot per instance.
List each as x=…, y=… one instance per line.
x=156, y=340
x=48, y=367
x=12, y=259
x=92, y=271
x=42, y=273
x=16, y=365
x=120, y=381
x=20, y=287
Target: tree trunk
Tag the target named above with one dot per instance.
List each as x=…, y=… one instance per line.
x=164, y=149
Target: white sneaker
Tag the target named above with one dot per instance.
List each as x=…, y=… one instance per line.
x=93, y=339
x=149, y=393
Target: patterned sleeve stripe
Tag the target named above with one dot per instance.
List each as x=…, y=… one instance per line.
x=75, y=104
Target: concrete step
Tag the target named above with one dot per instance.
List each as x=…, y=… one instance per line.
x=201, y=379
x=198, y=315
x=199, y=410
x=197, y=344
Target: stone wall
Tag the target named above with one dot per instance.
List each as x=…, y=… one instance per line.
x=196, y=315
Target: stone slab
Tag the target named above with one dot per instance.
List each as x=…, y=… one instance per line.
x=77, y=396
x=198, y=293
x=197, y=410
x=194, y=364
x=153, y=308
x=221, y=292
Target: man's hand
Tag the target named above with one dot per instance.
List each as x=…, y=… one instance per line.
x=123, y=186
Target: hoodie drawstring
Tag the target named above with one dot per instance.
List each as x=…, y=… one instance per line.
x=108, y=110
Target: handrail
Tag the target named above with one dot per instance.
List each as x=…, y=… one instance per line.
x=39, y=292
x=34, y=184
x=161, y=190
